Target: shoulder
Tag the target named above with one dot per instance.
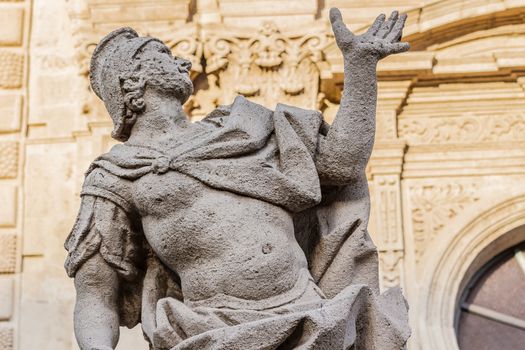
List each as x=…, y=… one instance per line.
x=101, y=183
x=300, y=114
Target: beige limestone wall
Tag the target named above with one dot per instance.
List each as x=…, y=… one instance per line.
x=14, y=17
x=446, y=176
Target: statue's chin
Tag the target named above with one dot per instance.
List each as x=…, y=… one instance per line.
x=184, y=94
x=181, y=87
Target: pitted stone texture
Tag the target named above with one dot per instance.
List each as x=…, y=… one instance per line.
x=6, y=338
x=11, y=69
x=8, y=160
x=7, y=253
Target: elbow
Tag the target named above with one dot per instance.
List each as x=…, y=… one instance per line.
x=342, y=166
x=95, y=276
x=340, y=175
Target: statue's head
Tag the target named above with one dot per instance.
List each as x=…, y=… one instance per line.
x=125, y=66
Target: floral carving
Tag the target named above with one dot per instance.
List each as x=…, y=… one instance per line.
x=433, y=206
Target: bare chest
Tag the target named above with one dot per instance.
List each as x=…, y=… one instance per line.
x=188, y=223
x=160, y=194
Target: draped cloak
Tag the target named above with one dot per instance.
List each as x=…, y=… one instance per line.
x=268, y=155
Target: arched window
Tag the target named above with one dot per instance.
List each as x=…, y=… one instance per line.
x=491, y=311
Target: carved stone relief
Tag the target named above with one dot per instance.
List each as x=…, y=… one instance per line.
x=466, y=129
x=389, y=212
x=266, y=66
x=391, y=262
x=434, y=206
x=389, y=232
x=464, y=113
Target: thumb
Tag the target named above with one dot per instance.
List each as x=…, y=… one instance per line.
x=335, y=15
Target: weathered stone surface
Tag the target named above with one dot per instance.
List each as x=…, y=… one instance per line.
x=246, y=230
x=7, y=253
x=6, y=338
x=11, y=69
x=8, y=159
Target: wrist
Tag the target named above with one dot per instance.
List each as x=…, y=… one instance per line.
x=366, y=63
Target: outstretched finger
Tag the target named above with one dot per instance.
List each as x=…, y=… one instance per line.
x=397, y=32
x=387, y=25
x=374, y=28
x=397, y=48
x=335, y=15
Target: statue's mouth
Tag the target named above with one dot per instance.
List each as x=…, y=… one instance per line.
x=183, y=70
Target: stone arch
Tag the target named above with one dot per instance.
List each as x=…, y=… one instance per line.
x=442, y=21
x=455, y=261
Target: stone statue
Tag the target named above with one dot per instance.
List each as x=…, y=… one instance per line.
x=246, y=230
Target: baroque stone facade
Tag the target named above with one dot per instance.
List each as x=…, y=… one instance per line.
x=446, y=174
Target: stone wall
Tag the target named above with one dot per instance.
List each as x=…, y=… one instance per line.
x=14, y=16
x=446, y=175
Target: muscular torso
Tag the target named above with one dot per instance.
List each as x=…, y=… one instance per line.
x=217, y=241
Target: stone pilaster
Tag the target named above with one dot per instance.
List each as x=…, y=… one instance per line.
x=13, y=62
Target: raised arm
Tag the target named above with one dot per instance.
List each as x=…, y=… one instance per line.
x=344, y=152
x=96, y=308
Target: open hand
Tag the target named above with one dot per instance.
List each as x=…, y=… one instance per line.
x=380, y=40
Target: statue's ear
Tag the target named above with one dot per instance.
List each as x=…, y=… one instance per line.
x=134, y=102
x=133, y=90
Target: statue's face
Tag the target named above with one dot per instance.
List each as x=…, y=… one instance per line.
x=165, y=73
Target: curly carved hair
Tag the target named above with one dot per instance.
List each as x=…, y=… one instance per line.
x=146, y=72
